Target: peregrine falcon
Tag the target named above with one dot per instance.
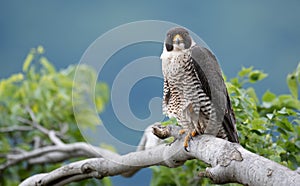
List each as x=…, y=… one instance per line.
x=194, y=89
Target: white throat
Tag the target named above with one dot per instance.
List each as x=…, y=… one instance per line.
x=170, y=65
x=167, y=55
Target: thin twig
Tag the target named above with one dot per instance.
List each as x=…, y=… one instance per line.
x=15, y=128
x=35, y=123
x=55, y=139
x=57, y=153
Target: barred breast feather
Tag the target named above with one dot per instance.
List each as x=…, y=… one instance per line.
x=190, y=96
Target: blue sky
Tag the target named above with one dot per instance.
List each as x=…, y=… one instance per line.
x=263, y=34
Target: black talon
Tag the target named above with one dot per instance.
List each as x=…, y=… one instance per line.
x=185, y=148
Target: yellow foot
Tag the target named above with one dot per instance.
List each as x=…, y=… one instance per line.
x=182, y=131
x=186, y=142
x=187, y=139
x=194, y=133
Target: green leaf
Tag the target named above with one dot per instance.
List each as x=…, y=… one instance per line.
x=292, y=160
x=268, y=97
x=27, y=61
x=293, y=85
x=283, y=111
x=258, y=132
x=106, y=181
x=256, y=75
x=251, y=92
x=280, y=150
x=289, y=101
x=245, y=71
x=40, y=49
x=235, y=82
x=171, y=121
x=258, y=124
x=47, y=65
x=298, y=72
x=270, y=116
x=297, y=144
x=285, y=124
x=169, y=140
x=275, y=158
x=15, y=78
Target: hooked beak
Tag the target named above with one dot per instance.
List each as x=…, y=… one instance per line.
x=177, y=39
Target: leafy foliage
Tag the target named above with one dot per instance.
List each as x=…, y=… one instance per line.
x=45, y=93
x=269, y=126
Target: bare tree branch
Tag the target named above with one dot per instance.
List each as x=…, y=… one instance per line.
x=53, y=153
x=229, y=162
x=56, y=153
x=15, y=128
x=55, y=139
x=147, y=141
x=35, y=123
x=101, y=167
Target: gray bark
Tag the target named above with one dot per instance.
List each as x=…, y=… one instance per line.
x=229, y=162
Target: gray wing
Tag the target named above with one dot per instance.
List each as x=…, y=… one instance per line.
x=210, y=75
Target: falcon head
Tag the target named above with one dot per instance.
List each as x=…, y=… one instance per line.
x=178, y=39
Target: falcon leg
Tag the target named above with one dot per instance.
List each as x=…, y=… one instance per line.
x=194, y=133
x=186, y=142
x=187, y=139
x=182, y=131
x=189, y=136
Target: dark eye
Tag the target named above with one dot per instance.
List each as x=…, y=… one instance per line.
x=169, y=47
x=185, y=34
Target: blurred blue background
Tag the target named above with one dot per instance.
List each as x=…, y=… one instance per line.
x=265, y=35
